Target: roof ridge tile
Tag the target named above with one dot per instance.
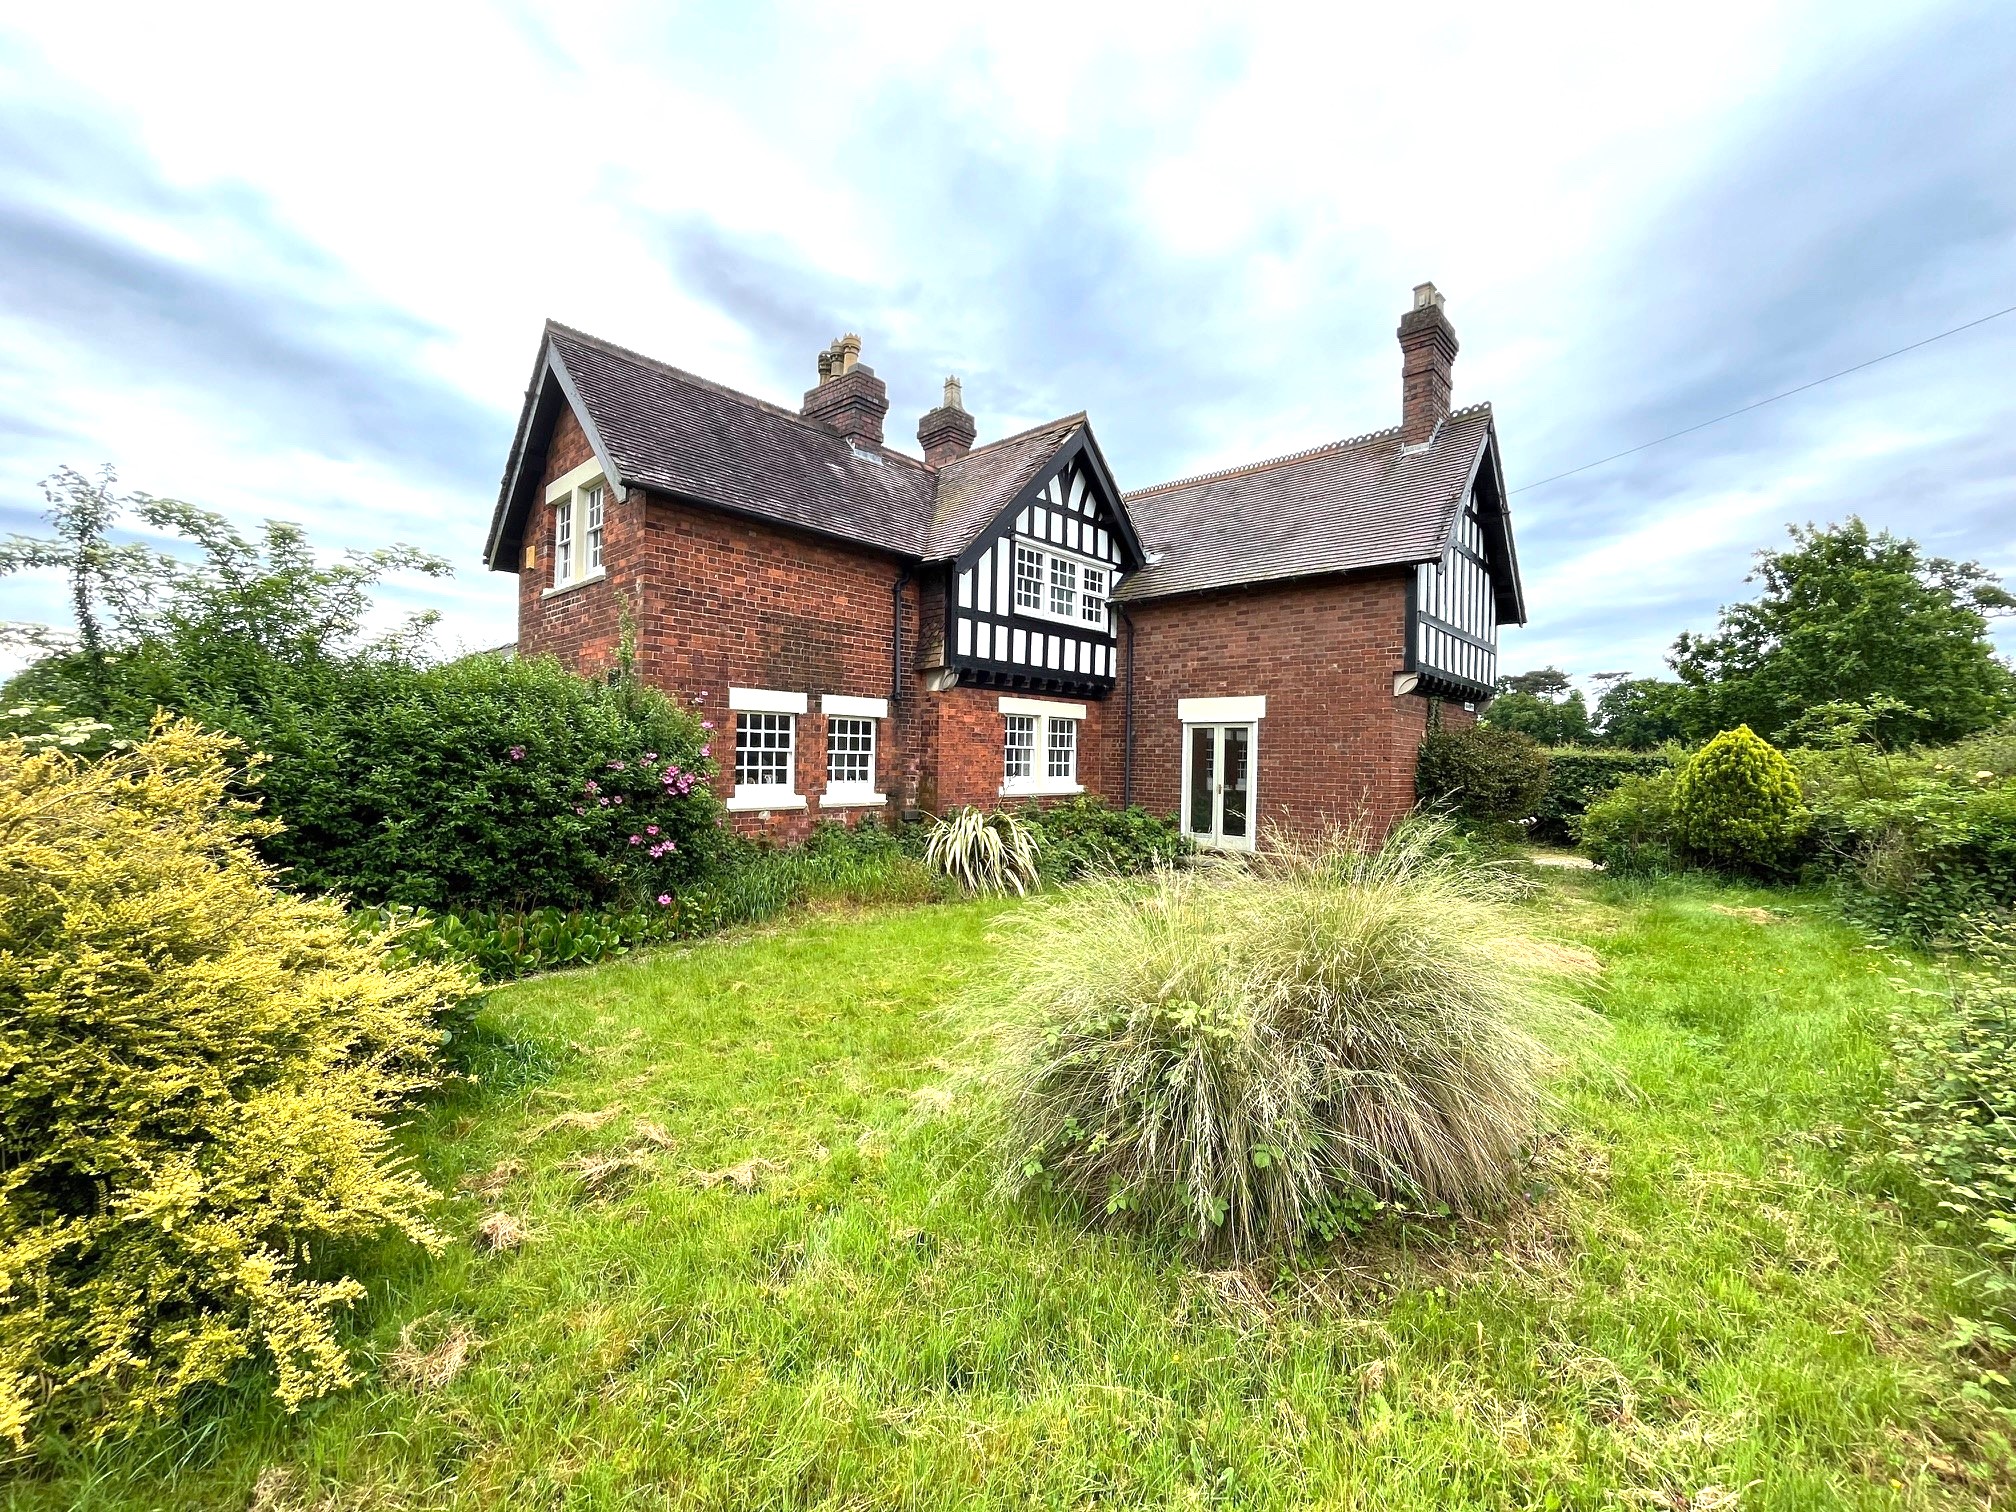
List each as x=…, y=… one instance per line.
x=1244, y=469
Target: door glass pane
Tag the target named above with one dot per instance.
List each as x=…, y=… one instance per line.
x=1203, y=775
x=1238, y=768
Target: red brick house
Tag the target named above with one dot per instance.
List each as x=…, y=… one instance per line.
x=983, y=625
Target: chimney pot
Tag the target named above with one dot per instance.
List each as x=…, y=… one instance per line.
x=848, y=397
x=947, y=433
x=1427, y=361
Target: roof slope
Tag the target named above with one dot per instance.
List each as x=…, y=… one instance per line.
x=972, y=490
x=672, y=432
x=1365, y=502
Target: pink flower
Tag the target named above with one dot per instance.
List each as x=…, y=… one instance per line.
x=603, y=801
x=636, y=839
x=579, y=810
x=517, y=753
x=650, y=755
x=618, y=800
x=615, y=766
x=706, y=724
x=664, y=900
x=649, y=829
x=706, y=750
x=591, y=786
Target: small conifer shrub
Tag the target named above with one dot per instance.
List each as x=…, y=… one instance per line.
x=1737, y=802
x=196, y=1073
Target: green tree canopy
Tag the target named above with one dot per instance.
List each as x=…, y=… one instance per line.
x=1639, y=713
x=1540, y=704
x=1850, y=614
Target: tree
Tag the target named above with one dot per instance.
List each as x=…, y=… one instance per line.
x=1540, y=704
x=1639, y=713
x=1851, y=615
x=1550, y=683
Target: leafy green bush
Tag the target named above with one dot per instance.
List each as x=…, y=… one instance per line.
x=1737, y=802
x=1630, y=829
x=983, y=852
x=1578, y=775
x=1482, y=773
x=196, y=1073
x=1237, y=1054
x=1086, y=834
x=487, y=782
x=1950, y=1121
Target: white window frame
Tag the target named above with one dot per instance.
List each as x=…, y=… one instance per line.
x=1039, y=783
x=854, y=794
x=1078, y=562
x=580, y=507
x=751, y=797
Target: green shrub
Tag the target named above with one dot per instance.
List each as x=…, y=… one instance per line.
x=1630, y=829
x=983, y=852
x=1482, y=773
x=1238, y=1054
x=1084, y=835
x=489, y=782
x=196, y=1072
x=1736, y=802
x=1578, y=775
x=1950, y=1121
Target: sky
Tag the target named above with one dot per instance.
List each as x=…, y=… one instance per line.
x=292, y=262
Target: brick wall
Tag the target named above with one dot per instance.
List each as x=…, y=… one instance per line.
x=1335, y=745
x=966, y=740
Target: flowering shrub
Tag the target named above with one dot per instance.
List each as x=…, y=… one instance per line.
x=199, y=1072
x=488, y=783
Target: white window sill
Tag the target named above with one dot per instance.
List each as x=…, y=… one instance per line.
x=1044, y=789
x=843, y=798
x=581, y=582
x=1071, y=621
x=761, y=800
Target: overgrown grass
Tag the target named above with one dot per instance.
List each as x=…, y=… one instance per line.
x=792, y=1287
x=1244, y=1054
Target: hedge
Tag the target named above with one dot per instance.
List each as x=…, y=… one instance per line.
x=1578, y=775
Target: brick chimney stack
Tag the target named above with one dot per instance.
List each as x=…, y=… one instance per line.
x=850, y=398
x=946, y=433
x=1427, y=354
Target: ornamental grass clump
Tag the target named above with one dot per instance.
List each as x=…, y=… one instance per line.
x=984, y=853
x=196, y=1076
x=1241, y=1055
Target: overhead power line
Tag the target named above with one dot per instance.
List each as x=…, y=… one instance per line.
x=1759, y=404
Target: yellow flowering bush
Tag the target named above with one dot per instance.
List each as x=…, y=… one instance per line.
x=196, y=1075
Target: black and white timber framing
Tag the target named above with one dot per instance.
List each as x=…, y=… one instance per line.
x=1455, y=606
x=1029, y=603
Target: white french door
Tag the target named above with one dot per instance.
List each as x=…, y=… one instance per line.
x=1218, y=784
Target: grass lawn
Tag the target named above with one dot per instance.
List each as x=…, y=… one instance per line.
x=794, y=1289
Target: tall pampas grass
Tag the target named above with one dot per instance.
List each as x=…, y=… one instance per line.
x=1228, y=1051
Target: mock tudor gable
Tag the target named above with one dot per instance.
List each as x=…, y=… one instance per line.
x=1000, y=623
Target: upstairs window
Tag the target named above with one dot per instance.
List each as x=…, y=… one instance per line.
x=1054, y=584
x=592, y=497
x=1092, y=596
x=1063, y=587
x=579, y=504
x=1028, y=577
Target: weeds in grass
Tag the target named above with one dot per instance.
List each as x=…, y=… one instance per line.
x=1244, y=1054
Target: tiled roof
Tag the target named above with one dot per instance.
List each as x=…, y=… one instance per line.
x=670, y=431
x=972, y=490
x=1365, y=502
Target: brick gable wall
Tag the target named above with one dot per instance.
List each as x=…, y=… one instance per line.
x=1336, y=745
